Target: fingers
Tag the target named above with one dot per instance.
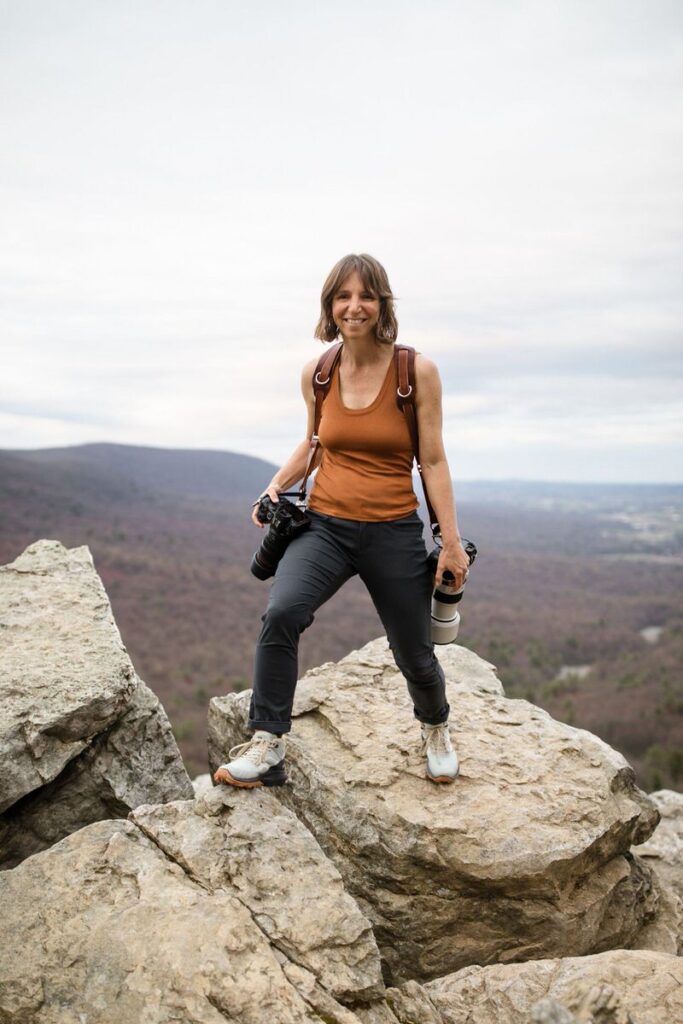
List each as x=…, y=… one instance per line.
x=254, y=510
x=454, y=584
x=273, y=494
x=454, y=577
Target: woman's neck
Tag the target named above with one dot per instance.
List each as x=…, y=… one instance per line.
x=360, y=352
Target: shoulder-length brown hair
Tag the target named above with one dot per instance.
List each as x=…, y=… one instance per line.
x=374, y=277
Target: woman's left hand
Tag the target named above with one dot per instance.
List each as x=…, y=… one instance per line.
x=453, y=558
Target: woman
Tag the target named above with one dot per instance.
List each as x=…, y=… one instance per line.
x=363, y=521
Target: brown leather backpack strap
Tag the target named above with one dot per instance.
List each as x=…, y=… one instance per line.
x=406, y=394
x=322, y=378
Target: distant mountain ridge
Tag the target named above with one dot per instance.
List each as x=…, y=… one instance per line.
x=181, y=472
x=198, y=472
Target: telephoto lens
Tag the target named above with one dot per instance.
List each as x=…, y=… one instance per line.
x=286, y=522
x=445, y=599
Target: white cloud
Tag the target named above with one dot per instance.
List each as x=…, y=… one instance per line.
x=178, y=179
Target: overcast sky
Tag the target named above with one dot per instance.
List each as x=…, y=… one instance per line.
x=178, y=178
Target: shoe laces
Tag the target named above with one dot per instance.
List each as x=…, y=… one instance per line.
x=254, y=750
x=438, y=740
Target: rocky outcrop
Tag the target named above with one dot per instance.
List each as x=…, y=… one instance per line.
x=616, y=987
x=663, y=854
x=249, y=844
x=526, y=856
x=502, y=899
x=224, y=908
x=81, y=736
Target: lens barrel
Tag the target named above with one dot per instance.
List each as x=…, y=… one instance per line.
x=445, y=615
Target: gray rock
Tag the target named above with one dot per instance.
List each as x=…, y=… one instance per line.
x=665, y=846
x=614, y=987
x=549, y=1011
x=202, y=784
x=248, y=843
x=224, y=908
x=525, y=856
x=81, y=736
x=103, y=928
x=663, y=854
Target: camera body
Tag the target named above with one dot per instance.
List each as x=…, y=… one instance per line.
x=287, y=520
x=445, y=615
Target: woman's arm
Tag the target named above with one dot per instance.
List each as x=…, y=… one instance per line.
x=435, y=469
x=295, y=466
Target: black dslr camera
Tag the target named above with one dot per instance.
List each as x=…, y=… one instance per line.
x=287, y=520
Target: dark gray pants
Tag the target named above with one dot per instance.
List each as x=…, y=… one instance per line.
x=390, y=558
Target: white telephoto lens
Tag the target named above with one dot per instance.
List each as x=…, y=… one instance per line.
x=445, y=622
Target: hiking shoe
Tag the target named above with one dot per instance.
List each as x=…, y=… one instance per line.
x=258, y=762
x=442, y=760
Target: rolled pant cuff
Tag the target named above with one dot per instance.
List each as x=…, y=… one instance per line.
x=259, y=723
x=433, y=719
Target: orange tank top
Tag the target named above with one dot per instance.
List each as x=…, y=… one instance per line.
x=366, y=467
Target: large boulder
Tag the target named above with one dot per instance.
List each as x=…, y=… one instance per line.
x=616, y=987
x=81, y=736
x=223, y=908
x=525, y=856
x=248, y=843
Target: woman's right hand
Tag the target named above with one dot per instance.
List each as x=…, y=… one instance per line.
x=272, y=493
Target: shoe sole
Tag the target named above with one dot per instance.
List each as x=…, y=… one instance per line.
x=442, y=778
x=275, y=776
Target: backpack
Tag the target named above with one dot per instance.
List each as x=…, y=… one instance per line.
x=404, y=356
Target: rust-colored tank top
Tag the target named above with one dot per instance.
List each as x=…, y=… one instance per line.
x=367, y=461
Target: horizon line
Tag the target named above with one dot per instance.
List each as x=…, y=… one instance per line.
x=258, y=458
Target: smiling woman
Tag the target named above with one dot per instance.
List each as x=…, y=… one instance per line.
x=362, y=280
x=363, y=521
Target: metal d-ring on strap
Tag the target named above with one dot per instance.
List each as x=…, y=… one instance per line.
x=408, y=392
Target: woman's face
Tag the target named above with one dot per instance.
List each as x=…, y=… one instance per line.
x=355, y=310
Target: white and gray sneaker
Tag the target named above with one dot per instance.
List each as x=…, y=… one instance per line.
x=258, y=762
x=442, y=760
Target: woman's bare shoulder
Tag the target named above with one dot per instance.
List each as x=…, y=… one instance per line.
x=425, y=368
x=307, y=376
x=310, y=365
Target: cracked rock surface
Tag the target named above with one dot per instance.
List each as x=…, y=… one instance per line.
x=81, y=736
x=247, y=842
x=220, y=909
x=615, y=987
x=120, y=933
x=525, y=856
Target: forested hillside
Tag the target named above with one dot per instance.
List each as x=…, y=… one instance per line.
x=575, y=595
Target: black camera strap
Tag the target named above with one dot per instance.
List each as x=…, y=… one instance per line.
x=404, y=355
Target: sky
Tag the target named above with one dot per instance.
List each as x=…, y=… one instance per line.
x=177, y=179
